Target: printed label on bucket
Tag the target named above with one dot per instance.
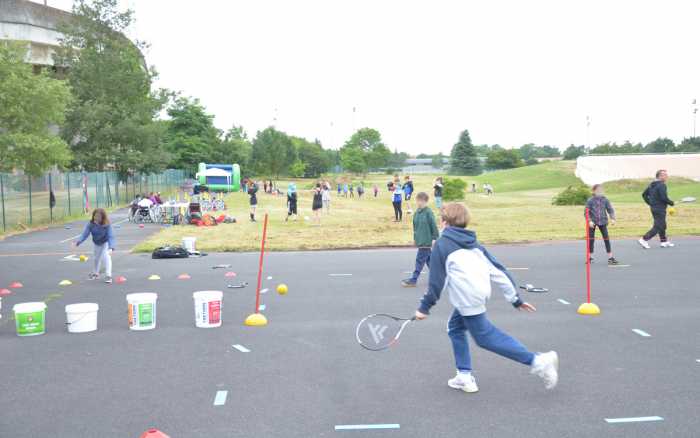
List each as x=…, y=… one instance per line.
x=214, y=312
x=29, y=323
x=145, y=312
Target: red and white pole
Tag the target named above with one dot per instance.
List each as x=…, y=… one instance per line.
x=257, y=318
x=588, y=308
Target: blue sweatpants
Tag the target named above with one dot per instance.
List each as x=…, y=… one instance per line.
x=487, y=336
x=422, y=259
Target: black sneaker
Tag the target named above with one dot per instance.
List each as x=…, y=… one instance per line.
x=408, y=283
x=613, y=261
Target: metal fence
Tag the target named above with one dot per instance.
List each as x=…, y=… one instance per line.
x=26, y=201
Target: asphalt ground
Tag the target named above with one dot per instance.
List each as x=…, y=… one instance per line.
x=305, y=373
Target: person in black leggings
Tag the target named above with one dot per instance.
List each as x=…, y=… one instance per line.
x=396, y=199
x=599, y=208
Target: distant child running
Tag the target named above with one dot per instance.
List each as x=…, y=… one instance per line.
x=599, y=208
x=291, y=201
x=464, y=269
x=252, y=192
x=317, y=204
x=437, y=187
x=407, y=192
x=396, y=199
x=103, y=238
x=425, y=232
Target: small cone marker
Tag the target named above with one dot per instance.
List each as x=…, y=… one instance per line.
x=141, y=225
x=183, y=277
x=230, y=274
x=4, y=292
x=154, y=433
x=15, y=285
x=255, y=320
x=121, y=279
x=65, y=283
x=154, y=277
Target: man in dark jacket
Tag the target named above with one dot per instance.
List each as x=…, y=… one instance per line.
x=656, y=196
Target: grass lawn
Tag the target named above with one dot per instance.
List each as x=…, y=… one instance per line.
x=521, y=211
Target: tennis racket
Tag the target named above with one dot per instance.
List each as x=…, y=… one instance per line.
x=380, y=331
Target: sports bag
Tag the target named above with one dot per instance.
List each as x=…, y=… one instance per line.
x=170, y=252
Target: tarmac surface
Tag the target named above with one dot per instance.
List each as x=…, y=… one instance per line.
x=305, y=374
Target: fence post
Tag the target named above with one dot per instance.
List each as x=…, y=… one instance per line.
x=2, y=196
x=29, y=178
x=68, y=190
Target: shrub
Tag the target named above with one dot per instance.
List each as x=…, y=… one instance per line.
x=453, y=189
x=572, y=195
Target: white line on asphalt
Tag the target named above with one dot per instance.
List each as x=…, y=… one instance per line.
x=264, y=291
x=220, y=398
x=366, y=426
x=633, y=419
x=340, y=275
x=517, y=269
x=619, y=266
x=78, y=235
x=641, y=333
x=241, y=348
x=563, y=301
x=697, y=360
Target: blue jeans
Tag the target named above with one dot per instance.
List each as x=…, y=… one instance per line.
x=438, y=202
x=422, y=259
x=487, y=336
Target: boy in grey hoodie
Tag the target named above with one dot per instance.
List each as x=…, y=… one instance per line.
x=599, y=208
x=464, y=269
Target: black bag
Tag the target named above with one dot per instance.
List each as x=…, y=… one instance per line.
x=170, y=252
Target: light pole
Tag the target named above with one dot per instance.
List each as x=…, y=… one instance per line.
x=588, y=132
x=695, y=116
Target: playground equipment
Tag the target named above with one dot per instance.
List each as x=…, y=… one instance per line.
x=220, y=177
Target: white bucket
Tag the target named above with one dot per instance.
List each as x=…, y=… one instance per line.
x=207, y=308
x=81, y=317
x=189, y=243
x=142, y=311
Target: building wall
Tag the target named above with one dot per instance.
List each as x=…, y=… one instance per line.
x=22, y=20
x=596, y=169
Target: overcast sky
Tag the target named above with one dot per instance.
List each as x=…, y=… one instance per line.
x=511, y=72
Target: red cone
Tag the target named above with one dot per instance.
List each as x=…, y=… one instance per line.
x=16, y=285
x=183, y=277
x=4, y=292
x=121, y=279
x=230, y=274
x=154, y=433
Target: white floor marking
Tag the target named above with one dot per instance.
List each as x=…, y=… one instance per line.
x=220, y=398
x=264, y=291
x=518, y=269
x=619, y=266
x=697, y=360
x=78, y=235
x=340, y=275
x=366, y=426
x=241, y=348
x=633, y=419
x=563, y=301
x=641, y=333
x=72, y=258
x=262, y=307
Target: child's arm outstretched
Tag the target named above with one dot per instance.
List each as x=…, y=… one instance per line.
x=505, y=282
x=84, y=235
x=436, y=283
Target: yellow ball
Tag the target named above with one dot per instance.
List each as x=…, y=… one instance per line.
x=282, y=289
x=83, y=258
x=672, y=211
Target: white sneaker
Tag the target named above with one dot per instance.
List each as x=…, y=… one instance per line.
x=546, y=366
x=667, y=245
x=644, y=243
x=463, y=381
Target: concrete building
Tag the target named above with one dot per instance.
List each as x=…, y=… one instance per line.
x=35, y=24
x=596, y=169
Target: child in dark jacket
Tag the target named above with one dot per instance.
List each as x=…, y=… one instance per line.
x=464, y=270
x=425, y=231
x=103, y=238
x=599, y=208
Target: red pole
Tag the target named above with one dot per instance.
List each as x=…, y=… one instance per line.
x=260, y=266
x=588, y=258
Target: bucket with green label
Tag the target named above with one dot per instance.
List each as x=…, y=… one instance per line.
x=30, y=318
x=142, y=311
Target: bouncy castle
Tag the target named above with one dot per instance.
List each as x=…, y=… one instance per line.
x=220, y=177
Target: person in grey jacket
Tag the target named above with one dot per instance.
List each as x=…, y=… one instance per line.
x=599, y=208
x=656, y=196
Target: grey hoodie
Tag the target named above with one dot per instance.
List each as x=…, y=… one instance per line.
x=599, y=207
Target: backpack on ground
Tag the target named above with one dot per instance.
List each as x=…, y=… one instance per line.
x=170, y=252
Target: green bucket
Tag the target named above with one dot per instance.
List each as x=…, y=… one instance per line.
x=30, y=318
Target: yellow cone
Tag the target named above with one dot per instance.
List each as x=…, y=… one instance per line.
x=588, y=309
x=65, y=283
x=154, y=277
x=256, y=320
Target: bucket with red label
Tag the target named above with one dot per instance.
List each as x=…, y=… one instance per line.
x=207, y=308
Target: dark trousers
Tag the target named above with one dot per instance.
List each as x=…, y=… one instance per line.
x=422, y=259
x=606, y=238
x=397, y=210
x=659, y=226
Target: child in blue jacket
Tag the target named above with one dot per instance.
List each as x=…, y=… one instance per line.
x=103, y=237
x=462, y=268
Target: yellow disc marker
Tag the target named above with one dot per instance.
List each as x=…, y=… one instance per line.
x=588, y=309
x=154, y=277
x=255, y=320
x=282, y=289
x=65, y=283
x=83, y=258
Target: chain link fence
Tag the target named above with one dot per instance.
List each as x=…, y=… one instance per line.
x=26, y=201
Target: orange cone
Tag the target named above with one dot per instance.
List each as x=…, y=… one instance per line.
x=154, y=433
x=183, y=277
x=4, y=292
x=16, y=285
x=121, y=279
